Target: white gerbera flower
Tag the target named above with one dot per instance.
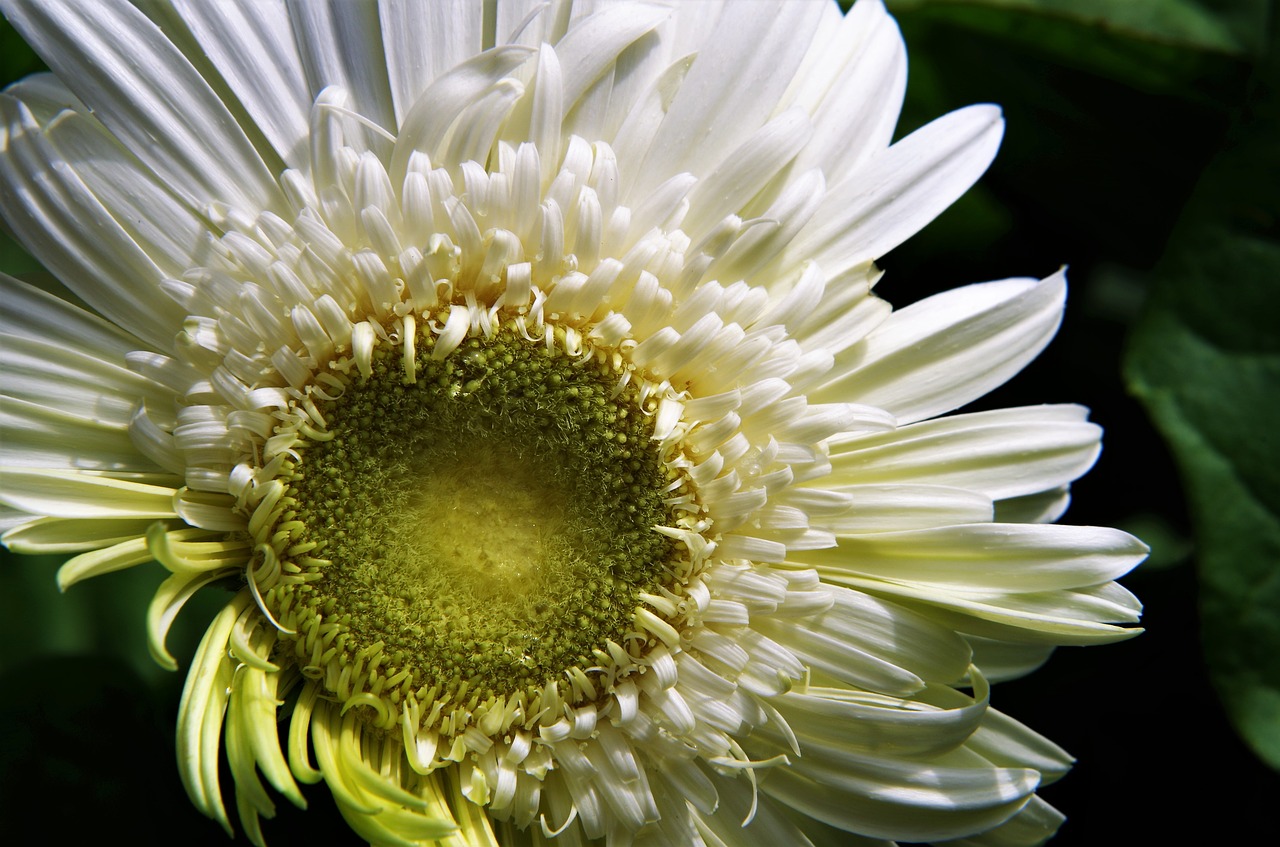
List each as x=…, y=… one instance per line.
x=518, y=365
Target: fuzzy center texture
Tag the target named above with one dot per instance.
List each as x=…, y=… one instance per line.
x=485, y=527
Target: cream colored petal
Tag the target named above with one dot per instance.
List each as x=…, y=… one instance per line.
x=334, y=42
x=1012, y=558
x=1001, y=454
x=1031, y=827
x=149, y=95
x=890, y=508
x=884, y=796
x=44, y=373
x=37, y=437
x=1080, y=616
x=851, y=719
x=34, y=314
x=71, y=535
x=273, y=87
x=1044, y=507
x=896, y=193
x=1003, y=660
x=949, y=349
x=81, y=494
x=201, y=712
x=854, y=90
x=49, y=209
x=743, y=66
x=867, y=642
x=170, y=231
x=422, y=41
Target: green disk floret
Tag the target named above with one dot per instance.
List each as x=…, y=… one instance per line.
x=479, y=532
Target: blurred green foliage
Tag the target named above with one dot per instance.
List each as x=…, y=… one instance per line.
x=1205, y=360
x=1142, y=150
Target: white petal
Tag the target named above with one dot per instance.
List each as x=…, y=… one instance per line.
x=423, y=41
x=1007, y=743
x=70, y=535
x=847, y=314
x=77, y=494
x=1080, y=616
x=338, y=45
x=273, y=87
x=885, y=508
x=45, y=95
x=901, y=798
x=1013, y=558
x=593, y=44
x=34, y=314
x=745, y=819
x=50, y=209
x=1003, y=660
x=743, y=66
x=1031, y=827
x=427, y=125
x=893, y=195
x=1044, y=507
x=874, y=723
x=872, y=644
x=39, y=437
x=856, y=96
x=167, y=230
x=949, y=349
x=1001, y=454
x=746, y=171
x=147, y=93
x=77, y=384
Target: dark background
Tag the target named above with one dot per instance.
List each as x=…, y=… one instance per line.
x=1113, y=133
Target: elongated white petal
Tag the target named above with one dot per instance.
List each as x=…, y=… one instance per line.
x=854, y=90
x=273, y=88
x=894, y=194
x=942, y=352
x=902, y=799
x=149, y=95
x=873, y=644
x=1049, y=618
x=592, y=46
x=47, y=205
x=168, y=230
x=40, y=316
x=78, y=494
x=422, y=41
x=871, y=723
x=1003, y=660
x=36, y=437
x=889, y=508
x=427, y=124
x=1031, y=827
x=333, y=43
x=747, y=171
x=1003, y=453
x=1014, y=558
x=78, y=384
x=61, y=535
x=735, y=82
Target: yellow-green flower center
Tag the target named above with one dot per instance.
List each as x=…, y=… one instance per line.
x=475, y=527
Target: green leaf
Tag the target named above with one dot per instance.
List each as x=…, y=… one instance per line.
x=1132, y=44
x=1235, y=27
x=1205, y=360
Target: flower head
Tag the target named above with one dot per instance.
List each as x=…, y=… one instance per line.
x=517, y=364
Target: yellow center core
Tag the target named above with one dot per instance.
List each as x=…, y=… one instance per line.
x=483, y=530
x=489, y=522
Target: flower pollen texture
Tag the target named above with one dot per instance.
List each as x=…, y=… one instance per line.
x=514, y=370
